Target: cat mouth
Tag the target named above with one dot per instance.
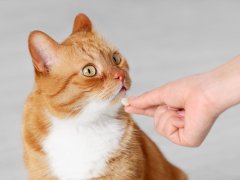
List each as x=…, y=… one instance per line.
x=122, y=91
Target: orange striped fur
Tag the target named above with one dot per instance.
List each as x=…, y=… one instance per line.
x=61, y=90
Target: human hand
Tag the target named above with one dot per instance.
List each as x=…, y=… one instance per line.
x=185, y=110
x=181, y=110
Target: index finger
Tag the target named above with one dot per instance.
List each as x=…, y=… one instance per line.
x=147, y=99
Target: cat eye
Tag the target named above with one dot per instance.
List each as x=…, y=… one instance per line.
x=116, y=58
x=89, y=71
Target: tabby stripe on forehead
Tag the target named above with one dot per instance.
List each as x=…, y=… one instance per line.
x=62, y=88
x=103, y=54
x=87, y=53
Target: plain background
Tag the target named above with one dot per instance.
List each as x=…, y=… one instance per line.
x=163, y=40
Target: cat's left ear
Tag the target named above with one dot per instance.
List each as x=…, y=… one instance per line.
x=82, y=23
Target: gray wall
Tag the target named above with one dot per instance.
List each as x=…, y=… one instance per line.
x=163, y=40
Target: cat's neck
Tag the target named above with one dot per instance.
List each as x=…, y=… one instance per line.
x=78, y=147
x=94, y=113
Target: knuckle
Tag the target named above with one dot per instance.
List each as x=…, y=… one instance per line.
x=160, y=110
x=193, y=143
x=159, y=127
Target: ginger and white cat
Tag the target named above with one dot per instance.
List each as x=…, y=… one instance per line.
x=75, y=127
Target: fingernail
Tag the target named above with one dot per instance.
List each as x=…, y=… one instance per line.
x=181, y=113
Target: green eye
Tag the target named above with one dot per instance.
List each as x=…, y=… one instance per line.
x=116, y=58
x=89, y=71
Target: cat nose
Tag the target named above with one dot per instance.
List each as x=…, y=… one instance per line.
x=119, y=76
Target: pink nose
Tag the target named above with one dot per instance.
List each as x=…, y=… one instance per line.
x=119, y=76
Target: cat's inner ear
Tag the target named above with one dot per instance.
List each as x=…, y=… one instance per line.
x=43, y=51
x=82, y=23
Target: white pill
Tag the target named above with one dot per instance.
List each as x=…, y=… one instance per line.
x=125, y=101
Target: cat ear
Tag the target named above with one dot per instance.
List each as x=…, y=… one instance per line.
x=43, y=51
x=82, y=23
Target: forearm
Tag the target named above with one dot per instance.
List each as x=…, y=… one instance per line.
x=223, y=85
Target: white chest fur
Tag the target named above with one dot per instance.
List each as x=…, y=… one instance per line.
x=77, y=148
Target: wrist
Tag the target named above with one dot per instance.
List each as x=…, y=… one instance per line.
x=222, y=86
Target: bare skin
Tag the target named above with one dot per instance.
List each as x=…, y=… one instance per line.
x=185, y=110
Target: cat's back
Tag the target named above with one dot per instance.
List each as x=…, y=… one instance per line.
x=35, y=129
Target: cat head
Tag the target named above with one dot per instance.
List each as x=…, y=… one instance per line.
x=83, y=68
